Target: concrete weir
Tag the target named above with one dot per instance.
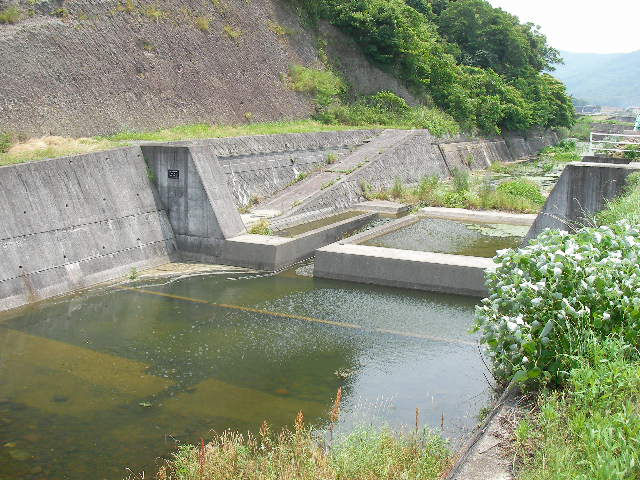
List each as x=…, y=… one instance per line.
x=417, y=270
x=72, y=222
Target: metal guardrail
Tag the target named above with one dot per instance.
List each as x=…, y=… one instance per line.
x=612, y=142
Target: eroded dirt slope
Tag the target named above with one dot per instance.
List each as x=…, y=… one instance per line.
x=87, y=67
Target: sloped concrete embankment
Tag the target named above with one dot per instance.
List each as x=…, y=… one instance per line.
x=259, y=166
x=72, y=222
x=419, y=155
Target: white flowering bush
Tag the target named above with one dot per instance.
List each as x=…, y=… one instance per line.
x=545, y=298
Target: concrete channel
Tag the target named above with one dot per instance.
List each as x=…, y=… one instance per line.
x=74, y=222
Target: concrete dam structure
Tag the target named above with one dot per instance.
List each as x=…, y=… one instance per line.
x=72, y=222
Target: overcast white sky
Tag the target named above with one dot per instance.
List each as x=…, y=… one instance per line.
x=584, y=26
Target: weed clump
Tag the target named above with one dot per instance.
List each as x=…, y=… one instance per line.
x=232, y=33
x=203, y=24
x=372, y=454
x=262, y=227
x=6, y=141
x=10, y=14
x=521, y=188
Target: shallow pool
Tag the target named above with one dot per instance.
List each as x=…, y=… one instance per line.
x=98, y=383
x=452, y=236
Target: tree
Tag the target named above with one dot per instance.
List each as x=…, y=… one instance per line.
x=492, y=38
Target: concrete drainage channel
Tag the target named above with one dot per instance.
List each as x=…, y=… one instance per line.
x=105, y=215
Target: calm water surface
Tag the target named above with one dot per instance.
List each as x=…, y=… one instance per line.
x=454, y=237
x=95, y=384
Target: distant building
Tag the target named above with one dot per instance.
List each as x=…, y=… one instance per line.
x=588, y=109
x=633, y=110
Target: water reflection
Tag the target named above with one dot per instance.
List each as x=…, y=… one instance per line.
x=97, y=383
x=454, y=237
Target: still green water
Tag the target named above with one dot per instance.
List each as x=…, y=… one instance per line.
x=454, y=237
x=97, y=384
x=323, y=222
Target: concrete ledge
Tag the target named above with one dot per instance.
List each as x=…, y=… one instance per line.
x=462, y=214
x=381, y=230
x=613, y=160
x=382, y=206
x=433, y=272
x=275, y=253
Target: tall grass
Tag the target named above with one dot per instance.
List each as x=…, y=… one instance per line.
x=463, y=191
x=589, y=430
x=627, y=206
x=298, y=454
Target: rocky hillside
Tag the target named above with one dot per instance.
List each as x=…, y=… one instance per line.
x=89, y=67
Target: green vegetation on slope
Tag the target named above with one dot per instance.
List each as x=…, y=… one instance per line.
x=12, y=152
x=477, y=63
x=591, y=429
x=625, y=207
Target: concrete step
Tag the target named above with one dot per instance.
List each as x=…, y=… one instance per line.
x=294, y=196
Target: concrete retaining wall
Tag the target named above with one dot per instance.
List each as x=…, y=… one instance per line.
x=261, y=165
x=418, y=156
x=581, y=192
x=192, y=189
x=72, y=222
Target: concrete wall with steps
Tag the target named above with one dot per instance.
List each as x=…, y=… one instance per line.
x=69, y=223
x=420, y=155
x=259, y=166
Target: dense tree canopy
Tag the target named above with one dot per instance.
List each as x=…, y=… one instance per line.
x=478, y=63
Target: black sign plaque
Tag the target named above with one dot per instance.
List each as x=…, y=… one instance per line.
x=175, y=174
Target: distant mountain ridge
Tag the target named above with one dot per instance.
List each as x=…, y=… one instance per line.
x=602, y=79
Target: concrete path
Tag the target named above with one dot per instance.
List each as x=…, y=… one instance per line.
x=296, y=194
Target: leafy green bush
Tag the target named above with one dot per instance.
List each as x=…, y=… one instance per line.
x=388, y=102
x=449, y=53
x=545, y=298
x=632, y=152
x=522, y=188
x=325, y=85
